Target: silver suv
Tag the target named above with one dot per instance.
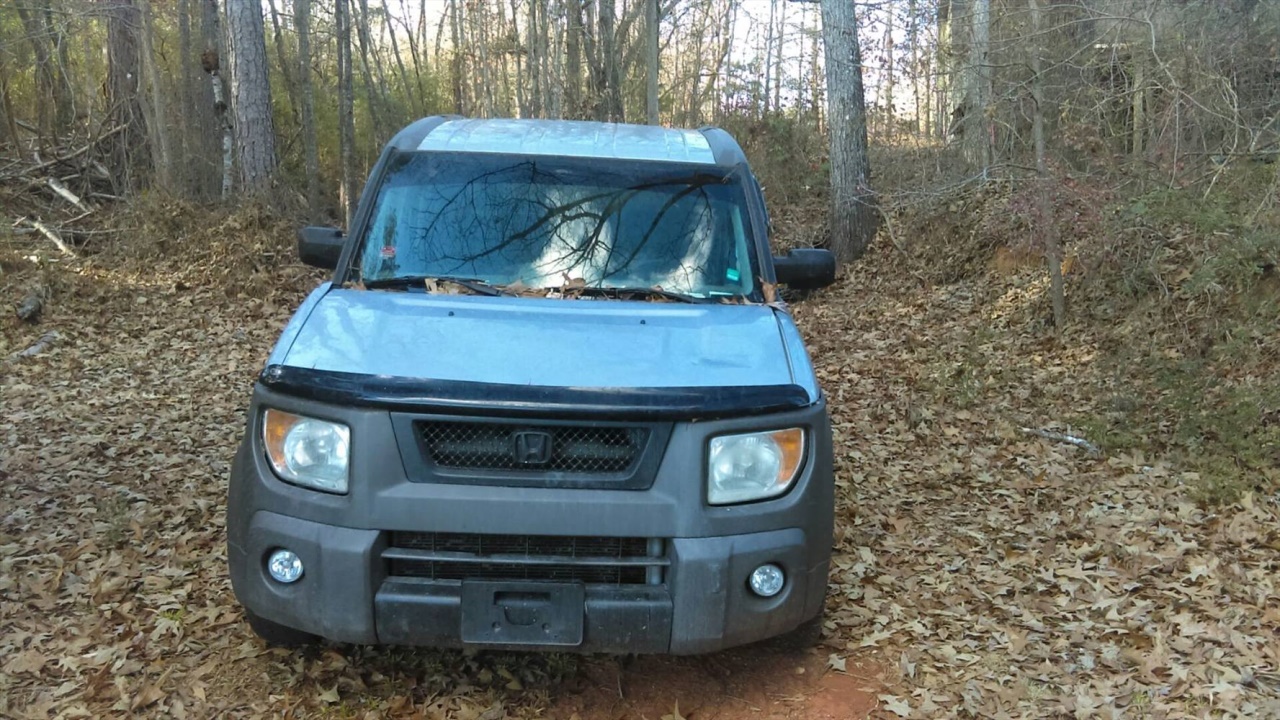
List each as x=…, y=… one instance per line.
x=548, y=400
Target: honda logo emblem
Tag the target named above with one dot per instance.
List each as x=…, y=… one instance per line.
x=531, y=447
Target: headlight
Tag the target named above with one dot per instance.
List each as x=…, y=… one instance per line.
x=754, y=466
x=307, y=451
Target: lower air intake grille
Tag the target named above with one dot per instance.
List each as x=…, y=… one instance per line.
x=467, y=556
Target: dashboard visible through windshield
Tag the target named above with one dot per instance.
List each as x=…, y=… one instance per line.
x=552, y=222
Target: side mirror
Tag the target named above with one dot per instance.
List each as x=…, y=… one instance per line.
x=320, y=246
x=806, y=268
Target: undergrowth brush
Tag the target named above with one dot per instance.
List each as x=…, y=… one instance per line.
x=1173, y=293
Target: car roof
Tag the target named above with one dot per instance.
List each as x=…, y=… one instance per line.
x=572, y=138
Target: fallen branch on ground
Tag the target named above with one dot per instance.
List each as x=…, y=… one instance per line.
x=1064, y=438
x=66, y=194
x=45, y=341
x=54, y=237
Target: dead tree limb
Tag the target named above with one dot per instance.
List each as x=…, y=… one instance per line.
x=45, y=341
x=1064, y=438
x=57, y=186
x=54, y=237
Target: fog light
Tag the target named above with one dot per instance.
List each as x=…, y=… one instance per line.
x=766, y=580
x=286, y=567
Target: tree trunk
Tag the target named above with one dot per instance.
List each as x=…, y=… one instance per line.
x=412, y=101
x=889, y=113
x=651, y=20
x=416, y=55
x=6, y=107
x=777, y=59
x=43, y=71
x=379, y=72
x=609, y=60
x=216, y=132
x=573, y=59
x=853, y=218
x=977, y=114
x=1139, y=115
x=455, y=74
x=311, y=150
x=376, y=113
x=250, y=95
x=1048, y=221
x=346, y=112
x=282, y=57
x=156, y=104
x=188, y=81
x=767, y=69
x=130, y=162
x=63, y=95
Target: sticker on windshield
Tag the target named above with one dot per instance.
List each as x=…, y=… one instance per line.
x=388, y=251
x=732, y=275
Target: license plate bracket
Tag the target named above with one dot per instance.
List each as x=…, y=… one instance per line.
x=522, y=613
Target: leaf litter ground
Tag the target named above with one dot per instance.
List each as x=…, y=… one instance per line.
x=979, y=571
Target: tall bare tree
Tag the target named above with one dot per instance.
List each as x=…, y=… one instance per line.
x=130, y=161
x=853, y=213
x=651, y=20
x=250, y=95
x=346, y=112
x=310, y=144
x=978, y=92
x=611, y=88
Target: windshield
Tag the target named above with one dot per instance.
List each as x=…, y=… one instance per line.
x=550, y=222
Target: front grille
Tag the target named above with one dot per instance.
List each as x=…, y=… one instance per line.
x=468, y=556
x=539, y=448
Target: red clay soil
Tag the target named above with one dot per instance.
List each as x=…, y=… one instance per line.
x=760, y=683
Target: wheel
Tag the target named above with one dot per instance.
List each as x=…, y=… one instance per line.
x=277, y=635
x=807, y=635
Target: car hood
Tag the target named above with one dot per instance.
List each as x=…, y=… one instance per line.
x=538, y=341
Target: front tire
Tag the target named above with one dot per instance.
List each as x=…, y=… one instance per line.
x=277, y=635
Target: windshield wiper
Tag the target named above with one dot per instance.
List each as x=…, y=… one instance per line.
x=618, y=292
x=475, y=285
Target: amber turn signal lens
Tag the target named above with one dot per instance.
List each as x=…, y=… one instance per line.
x=791, y=443
x=276, y=425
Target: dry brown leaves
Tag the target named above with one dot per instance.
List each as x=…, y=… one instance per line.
x=1008, y=576
x=1002, y=575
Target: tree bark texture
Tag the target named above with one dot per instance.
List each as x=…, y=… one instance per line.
x=310, y=145
x=853, y=213
x=1048, y=220
x=250, y=95
x=651, y=60
x=346, y=111
x=129, y=155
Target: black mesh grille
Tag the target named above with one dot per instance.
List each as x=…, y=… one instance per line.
x=501, y=446
x=525, y=557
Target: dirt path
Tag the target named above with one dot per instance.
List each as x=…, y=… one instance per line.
x=757, y=682
x=979, y=571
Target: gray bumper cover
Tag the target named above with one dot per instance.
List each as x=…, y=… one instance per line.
x=702, y=605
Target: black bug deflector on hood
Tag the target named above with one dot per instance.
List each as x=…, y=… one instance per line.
x=393, y=393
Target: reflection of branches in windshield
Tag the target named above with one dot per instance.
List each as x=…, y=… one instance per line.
x=657, y=219
x=481, y=207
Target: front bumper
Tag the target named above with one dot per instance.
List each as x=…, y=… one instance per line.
x=702, y=605
x=700, y=602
